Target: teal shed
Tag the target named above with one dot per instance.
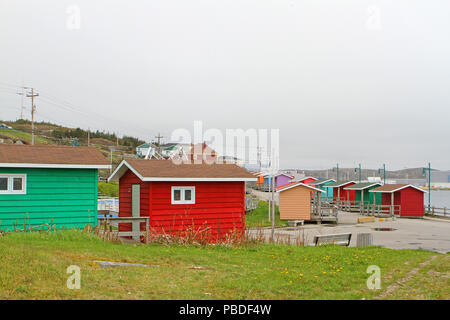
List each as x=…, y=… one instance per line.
x=54, y=185
x=322, y=184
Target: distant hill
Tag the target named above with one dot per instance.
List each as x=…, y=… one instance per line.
x=352, y=174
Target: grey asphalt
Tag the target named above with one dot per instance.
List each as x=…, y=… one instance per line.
x=428, y=234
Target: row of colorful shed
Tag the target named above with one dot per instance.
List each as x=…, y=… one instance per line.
x=404, y=199
x=57, y=184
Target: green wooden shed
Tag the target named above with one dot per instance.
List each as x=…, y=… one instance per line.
x=54, y=185
x=362, y=192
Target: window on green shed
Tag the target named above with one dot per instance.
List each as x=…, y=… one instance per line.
x=17, y=184
x=3, y=184
x=13, y=184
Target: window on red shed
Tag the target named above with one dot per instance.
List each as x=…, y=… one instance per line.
x=183, y=195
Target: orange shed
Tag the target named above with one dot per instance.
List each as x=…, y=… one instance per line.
x=295, y=201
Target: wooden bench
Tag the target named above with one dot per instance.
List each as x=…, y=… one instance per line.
x=294, y=223
x=342, y=239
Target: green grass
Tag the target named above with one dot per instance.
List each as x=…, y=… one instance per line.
x=33, y=266
x=24, y=136
x=110, y=189
x=259, y=217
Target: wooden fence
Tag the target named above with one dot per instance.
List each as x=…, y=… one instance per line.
x=263, y=187
x=251, y=203
x=108, y=226
x=435, y=211
x=362, y=207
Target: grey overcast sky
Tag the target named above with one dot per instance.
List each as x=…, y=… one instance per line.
x=348, y=82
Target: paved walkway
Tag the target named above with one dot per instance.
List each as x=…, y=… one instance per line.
x=426, y=234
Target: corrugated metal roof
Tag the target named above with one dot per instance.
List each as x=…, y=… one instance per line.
x=340, y=183
x=320, y=182
x=389, y=188
x=362, y=185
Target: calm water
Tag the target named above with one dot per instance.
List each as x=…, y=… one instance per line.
x=439, y=198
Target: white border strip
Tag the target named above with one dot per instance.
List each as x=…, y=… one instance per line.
x=321, y=183
x=196, y=179
x=342, y=184
x=359, y=189
x=55, y=166
x=300, y=184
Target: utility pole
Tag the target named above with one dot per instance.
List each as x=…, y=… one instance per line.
x=259, y=159
x=384, y=173
x=33, y=109
x=89, y=136
x=111, y=158
x=429, y=185
x=273, y=205
x=159, y=137
x=337, y=172
x=359, y=172
x=274, y=163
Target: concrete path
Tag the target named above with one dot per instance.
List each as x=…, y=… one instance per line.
x=265, y=196
x=426, y=234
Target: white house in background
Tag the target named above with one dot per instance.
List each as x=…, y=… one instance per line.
x=167, y=150
x=380, y=180
x=142, y=150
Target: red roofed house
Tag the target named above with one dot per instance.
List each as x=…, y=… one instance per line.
x=295, y=201
x=202, y=152
x=408, y=197
x=178, y=197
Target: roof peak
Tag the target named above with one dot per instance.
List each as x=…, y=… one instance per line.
x=167, y=170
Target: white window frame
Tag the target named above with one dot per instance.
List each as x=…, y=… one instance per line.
x=10, y=178
x=182, y=200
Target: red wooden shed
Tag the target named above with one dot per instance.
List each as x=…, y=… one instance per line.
x=181, y=197
x=408, y=197
x=339, y=192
